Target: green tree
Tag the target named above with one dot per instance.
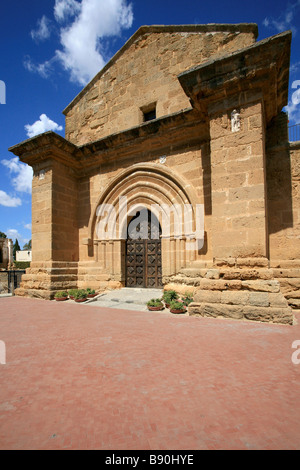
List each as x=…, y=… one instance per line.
x=27, y=246
x=16, y=248
x=3, y=235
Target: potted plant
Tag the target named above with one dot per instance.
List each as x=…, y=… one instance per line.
x=60, y=296
x=155, y=305
x=91, y=293
x=168, y=296
x=177, y=307
x=72, y=293
x=187, y=299
x=80, y=296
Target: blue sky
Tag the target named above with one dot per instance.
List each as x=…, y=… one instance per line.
x=50, y=49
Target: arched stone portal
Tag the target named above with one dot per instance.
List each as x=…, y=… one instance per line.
x=165, y=195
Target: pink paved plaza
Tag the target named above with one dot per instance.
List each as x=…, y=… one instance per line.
x=78, y=377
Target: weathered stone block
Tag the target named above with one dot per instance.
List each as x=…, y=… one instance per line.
x=235, y=298
x=259, y=299
x=213, y=274
x=220, y=284
x=207, y=296
x=261, y=285
x=278, y=300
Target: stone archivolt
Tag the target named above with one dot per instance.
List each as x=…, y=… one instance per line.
x=149, y=185
x=245, y=172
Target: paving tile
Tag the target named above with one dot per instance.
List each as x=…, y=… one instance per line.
x=78, y=377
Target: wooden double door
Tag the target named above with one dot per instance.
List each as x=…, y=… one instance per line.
x=143, y=260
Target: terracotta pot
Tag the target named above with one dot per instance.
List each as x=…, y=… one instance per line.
x=155, y=309
x=91, y=296
x=61, y=299
x=175, y=310
x=80, y=300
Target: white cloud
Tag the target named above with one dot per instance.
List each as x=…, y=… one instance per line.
x=86, y=24
x=44, y=124
x=8, y=201
x=80, y=54
x=293, y=107
x=42, y=69
x=43, y=30
x=293, y=113
x=294, y=67
x=285, y=20
x=22, y=181
x=13, y=233
x=64, y=9
x=28, y=226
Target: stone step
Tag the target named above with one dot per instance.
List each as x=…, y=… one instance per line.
x=96, y=277
x=294, y=303
x=283, y=315
x=201, y=264
x=189, y=281
x=197, y=272
x=62, y=271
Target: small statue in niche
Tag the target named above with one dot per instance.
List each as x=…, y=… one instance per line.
x=235, y=121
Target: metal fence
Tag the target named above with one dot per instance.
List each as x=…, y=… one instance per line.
x=10, y=280
x=294, y=133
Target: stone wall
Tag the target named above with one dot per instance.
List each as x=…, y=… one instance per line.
x=258, y=300
x=64, y=214
x=144, y=73
x=237, y=180
x=3, y=283
x=42, y=213
x=283, y=189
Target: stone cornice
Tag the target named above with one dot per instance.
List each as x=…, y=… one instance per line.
x=264, y=66
x=162, y=132
x=47, y=145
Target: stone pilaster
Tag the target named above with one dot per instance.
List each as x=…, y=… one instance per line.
x=238, y=192
x=54, y=215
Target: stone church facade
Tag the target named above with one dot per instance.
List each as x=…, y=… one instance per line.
x=181, y=117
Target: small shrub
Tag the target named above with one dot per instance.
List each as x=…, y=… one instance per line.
x=61, y=295
x=155, y=303
x=170, y=295
x=72, y=292
x=21, y=264
x=80, y=294
x=90, y=291
x=177, y=305
x=187, y=299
